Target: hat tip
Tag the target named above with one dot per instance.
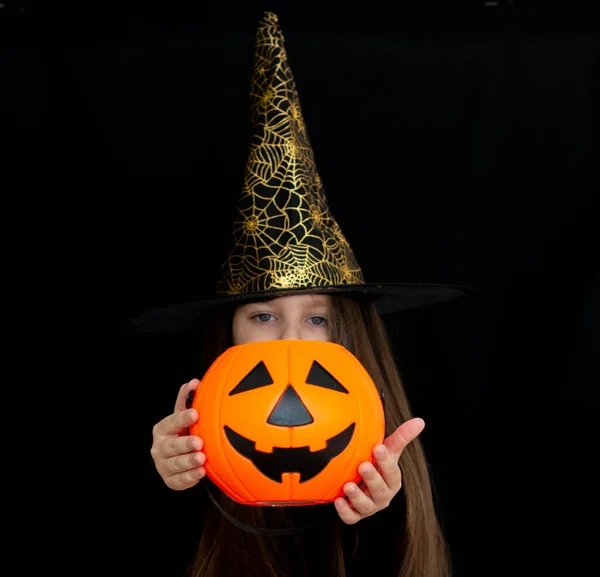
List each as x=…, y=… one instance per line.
x=271, y=17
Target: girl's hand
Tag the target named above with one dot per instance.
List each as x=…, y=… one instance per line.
x=383, y=480
x=178, y=456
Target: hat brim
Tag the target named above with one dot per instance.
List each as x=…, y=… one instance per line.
x=389, y=298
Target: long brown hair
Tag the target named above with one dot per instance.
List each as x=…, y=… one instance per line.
x=419, y=547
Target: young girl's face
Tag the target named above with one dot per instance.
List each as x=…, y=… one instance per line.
x=297, y=317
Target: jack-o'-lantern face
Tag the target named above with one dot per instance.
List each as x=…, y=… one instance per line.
x=287, y=422
x=290, y=411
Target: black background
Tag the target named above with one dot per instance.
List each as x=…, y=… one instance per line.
x=457, y=143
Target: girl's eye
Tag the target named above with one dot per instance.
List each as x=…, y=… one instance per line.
x=263, y=317
x=319, y=321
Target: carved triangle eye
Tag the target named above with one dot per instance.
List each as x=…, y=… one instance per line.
x=319, y=377
x=258, y=377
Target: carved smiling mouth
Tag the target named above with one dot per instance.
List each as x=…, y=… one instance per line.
x=293, y=459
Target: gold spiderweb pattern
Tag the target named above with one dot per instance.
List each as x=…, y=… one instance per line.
x=284, y=235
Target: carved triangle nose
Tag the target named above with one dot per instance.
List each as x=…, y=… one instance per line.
x=290, y=411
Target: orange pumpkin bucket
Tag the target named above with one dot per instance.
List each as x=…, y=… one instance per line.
x=287, y=422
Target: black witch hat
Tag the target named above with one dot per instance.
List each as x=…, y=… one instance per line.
x=285, y=239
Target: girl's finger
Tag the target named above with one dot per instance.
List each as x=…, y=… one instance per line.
x=388, y=467
x=185, y=480
x=180, y=445
x=184, y=463
x=347, y=514
x=175, y=423
x=375, y=485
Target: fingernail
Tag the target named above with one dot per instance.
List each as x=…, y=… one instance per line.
x=379, y=451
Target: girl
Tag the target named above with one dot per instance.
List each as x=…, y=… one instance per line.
x=291, y=274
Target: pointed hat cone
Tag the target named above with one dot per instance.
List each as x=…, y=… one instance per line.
x=284, y=235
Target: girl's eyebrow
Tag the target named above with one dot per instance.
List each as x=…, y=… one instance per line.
x=260, y=306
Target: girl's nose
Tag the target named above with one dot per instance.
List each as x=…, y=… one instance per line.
x=291, y=331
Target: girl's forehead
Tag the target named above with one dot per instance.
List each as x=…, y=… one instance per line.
x=304, y=300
